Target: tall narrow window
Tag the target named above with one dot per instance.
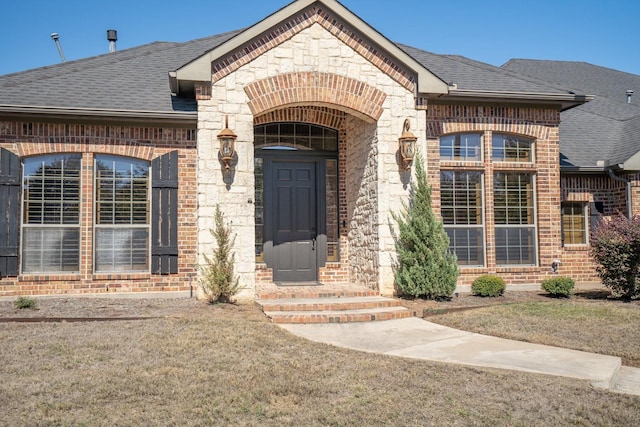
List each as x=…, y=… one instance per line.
x=511, y=148
x=574, y=223
x=51, y=214
x=465, y=146
x=514, y=219
x=333, y=212
x=259, y=208
x=461, y=210
x=121, y=214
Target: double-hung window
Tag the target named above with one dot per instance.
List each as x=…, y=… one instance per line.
x=121, y=214
x=514, y=215
x=461, y=209
x=51, y=214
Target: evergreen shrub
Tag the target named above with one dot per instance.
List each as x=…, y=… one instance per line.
x=558, y=286
x=488, y=285
x=424, y=267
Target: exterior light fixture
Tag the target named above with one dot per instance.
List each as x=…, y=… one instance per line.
x=227, y=144
x=407, y=145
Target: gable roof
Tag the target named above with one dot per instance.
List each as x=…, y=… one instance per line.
x=603, y=132
x=199, y=69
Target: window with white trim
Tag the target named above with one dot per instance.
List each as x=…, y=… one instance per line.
x=462, y=146
x=461, y=210
x=514, y=216
x=51, y=213
x=511, y=148
x=121, y=228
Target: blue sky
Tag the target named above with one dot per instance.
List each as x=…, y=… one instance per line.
x=605, y=33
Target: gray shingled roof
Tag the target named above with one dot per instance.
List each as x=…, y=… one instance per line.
x=473, y=75
x=136, y=79
x=132, y=79
x=605, y=129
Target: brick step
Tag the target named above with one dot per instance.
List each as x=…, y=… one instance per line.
x=306, y=293
x=340, y=316
x=324, y=304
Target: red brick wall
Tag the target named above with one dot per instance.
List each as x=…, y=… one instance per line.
x=576, y=262
x=147, y=143
x=541, y=124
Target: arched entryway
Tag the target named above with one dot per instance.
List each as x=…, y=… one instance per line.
x=296, y=200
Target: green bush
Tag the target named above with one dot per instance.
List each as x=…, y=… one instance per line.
x=25, y=302
x=217, y=279
x=558, y=286
x=615, y=247
x=425, y=267
x=488, y=286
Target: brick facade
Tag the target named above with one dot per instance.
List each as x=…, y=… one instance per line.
x=540, y=124
x=315, y=68
x=38, y=138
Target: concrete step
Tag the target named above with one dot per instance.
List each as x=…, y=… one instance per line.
x=339, y=316
x=324, y=304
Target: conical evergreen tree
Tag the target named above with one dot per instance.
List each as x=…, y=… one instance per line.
x=217, y=278
x=425, y=267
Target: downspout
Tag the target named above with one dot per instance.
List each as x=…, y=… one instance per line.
x=628, y=186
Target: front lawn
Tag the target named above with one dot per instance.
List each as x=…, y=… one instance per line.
x=225, y=369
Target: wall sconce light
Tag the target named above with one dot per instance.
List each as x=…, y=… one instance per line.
x=407, y=145
x=554, y=265
x=227, y=144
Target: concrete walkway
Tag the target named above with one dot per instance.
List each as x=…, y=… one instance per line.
x=420, y=339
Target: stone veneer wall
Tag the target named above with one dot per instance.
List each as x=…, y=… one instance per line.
x=315, y=49
x=27, y=138
x=535, y=122
x=362, y=202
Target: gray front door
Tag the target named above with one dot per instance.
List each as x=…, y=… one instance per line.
x=294, y=221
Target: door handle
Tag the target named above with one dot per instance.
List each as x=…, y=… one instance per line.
x=313, y=243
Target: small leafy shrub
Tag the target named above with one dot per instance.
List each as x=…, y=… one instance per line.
x=425, y=267
x=218, y=280
x=25, y=302
x=488, y=285
x=615, y=247
x=558, y=286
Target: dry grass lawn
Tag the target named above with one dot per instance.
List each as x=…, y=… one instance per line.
x=225, y=366
x=593, y=325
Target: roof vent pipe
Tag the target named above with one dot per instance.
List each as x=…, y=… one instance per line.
x=112, y=36
x=56, y=39
x=629, y=93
